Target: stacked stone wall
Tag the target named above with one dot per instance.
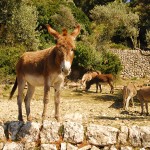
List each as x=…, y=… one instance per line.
x=70, y=135
x=134, y=64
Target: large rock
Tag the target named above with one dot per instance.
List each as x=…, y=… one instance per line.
x=123, y=135
x=101, y=135
x=134, y=136
x=30, y=146
x=49, y=132
x=2, y=134
x=48, y=147
x=13, y=129
x=73, y=132
x=126, y=148
x=86, y=147
x=71, y=147
x=145, y=136
x=30, y=132
x=63, y=146
x=13, y=146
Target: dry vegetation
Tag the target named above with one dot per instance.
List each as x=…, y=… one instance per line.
x=104, y=109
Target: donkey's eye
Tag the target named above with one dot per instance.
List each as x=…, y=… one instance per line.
x=73, y=50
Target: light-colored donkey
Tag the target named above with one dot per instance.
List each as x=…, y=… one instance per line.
x=46, y=67
x=128, y=93
x=88, y=76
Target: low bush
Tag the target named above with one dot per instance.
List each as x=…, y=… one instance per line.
x=9, y=57
x=90, y=59
x=110, y=63
x=85, y=56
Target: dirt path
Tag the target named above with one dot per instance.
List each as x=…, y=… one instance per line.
x=103, y=109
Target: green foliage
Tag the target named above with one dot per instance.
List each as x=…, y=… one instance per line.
x=9, y=56
x=63, y=18
x=21, y=23
x=85, y=56
x=81, y=17
x=25, y=21
x=148, y=38
x=118, y=46
x=88, y=58
x=113, y=16
x=110, y=63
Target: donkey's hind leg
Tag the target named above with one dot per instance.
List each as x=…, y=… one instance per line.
x=21, y=85
x=27, y=100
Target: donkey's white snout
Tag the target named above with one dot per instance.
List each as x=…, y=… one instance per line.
x=66, y=67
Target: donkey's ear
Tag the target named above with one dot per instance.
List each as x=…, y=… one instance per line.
x=76, y=31
x=52, y=31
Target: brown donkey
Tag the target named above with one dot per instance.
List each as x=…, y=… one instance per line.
x=101, y=79
x=47, y=67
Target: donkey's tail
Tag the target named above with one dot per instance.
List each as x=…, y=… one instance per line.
x=13, y=89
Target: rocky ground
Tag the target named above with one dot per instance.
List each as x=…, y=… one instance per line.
x=90, y=107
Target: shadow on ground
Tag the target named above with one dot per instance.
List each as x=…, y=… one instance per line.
x=126, y=117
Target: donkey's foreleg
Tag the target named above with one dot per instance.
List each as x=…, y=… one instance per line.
x=112, y=87
x=96, y=87
x=100, y=88
x=21, y=85
x=127, y=102
x=57, y=103
x=45, y=100
x=27, y=100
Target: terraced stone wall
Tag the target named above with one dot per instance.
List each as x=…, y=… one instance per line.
x=69, y=135
x=134, y=64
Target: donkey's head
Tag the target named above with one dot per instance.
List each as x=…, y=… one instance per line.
x=64, y=48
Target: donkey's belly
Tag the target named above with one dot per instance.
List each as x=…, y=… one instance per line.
x=39, y=80
x=34, y=80
x=103, y=83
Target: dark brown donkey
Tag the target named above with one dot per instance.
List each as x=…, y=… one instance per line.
x=47, y=67
x=101, y=79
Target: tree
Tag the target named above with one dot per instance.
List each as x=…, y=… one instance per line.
x=142, y=8
x=88, y=5
x=113, y=16
x=20, y=27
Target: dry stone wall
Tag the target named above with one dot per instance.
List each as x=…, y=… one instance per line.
x=134, y=64
x=70, y=135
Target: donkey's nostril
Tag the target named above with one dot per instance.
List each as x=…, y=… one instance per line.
x=65, y=71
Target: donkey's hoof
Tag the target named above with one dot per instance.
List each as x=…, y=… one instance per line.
x=20, y=118
x=57, y=118
x=43, y=117
x=147, y=114
x=29, y=118
x=141, y=114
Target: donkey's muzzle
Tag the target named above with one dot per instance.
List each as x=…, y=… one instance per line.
x=66, y=72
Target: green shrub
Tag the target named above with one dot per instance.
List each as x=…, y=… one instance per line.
x=90, y=59
x=118, y=46
x=110, y=63
x=9, y=57
x=85, y=56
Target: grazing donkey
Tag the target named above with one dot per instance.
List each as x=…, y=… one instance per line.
x=143, y=95
x=46, y=67
x=101, y=79
x=128, y=93
x=88, y=76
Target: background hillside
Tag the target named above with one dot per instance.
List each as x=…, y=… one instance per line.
x=107, y=24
